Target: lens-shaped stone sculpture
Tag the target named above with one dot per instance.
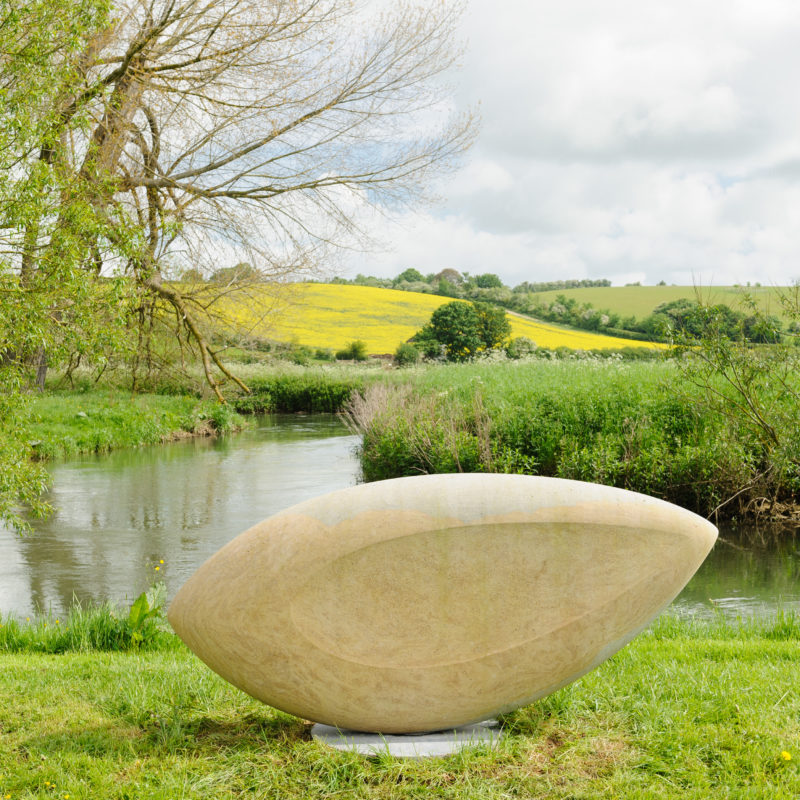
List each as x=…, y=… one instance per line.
x=431, y=602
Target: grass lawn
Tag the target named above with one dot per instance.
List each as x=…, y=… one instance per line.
x=688, y=710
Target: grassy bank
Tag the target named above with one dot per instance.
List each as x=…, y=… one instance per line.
x=628, y=425
x=686, y=711
x=65, y=424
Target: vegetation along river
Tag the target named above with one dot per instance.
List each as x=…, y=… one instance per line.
x=118, y=516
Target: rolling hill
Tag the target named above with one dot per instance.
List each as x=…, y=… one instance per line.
x=332, y=315
x=639, y=301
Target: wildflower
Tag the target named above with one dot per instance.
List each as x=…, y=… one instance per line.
x=786, y=756
x=161, y=562
x=58, y=622
x=158, y=568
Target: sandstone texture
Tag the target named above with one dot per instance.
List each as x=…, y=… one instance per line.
x=427, y=603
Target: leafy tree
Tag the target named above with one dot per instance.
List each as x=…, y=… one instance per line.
x=239, y=274
x=457, y=326
x=493, y=325
x=520, y=347
x=464, y=329
x=756, y=388
x=409, y=275
x=142, y=157
x=126, y=157
x=450, y=275
x=488, y=281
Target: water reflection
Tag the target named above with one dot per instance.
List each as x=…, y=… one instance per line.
x=749, y=571
x=117, y=516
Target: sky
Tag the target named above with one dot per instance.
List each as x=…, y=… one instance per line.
x=640, y=141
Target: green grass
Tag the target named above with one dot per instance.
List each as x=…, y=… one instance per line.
x=66, y=424
x=639, y=301
x=631, y=425
x=688, y=710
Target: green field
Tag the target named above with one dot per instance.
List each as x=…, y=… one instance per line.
x=687, y=710
x=639, y=301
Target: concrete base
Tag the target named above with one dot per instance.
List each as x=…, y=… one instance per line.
x=414, y=745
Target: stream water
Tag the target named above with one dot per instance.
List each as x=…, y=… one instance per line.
x=118, y=516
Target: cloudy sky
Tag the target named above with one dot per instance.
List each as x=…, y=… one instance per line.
x=640, y=141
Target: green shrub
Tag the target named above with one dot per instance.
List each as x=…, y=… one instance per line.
x=406, y=355
x=520, y=347
x=355, y=351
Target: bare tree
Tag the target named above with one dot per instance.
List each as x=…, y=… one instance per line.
x=248, y=130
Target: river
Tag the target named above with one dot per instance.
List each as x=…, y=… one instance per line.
x=118, y=516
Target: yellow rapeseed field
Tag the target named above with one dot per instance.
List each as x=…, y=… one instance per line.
x=333, y=315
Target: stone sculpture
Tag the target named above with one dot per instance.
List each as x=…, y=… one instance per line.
x=431, y=602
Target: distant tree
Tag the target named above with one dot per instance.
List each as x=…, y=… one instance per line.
x=192, y=275
x=409, y=275
x=463, y=329
x=488, y=281
x=447, y=288
x=371, y=280
x=451, y=275
x=457, y=326
x=493, y=325
x=241, y=273
x=520, y=347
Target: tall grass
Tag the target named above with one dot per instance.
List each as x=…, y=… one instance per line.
x=614, y=423
x=89, y=628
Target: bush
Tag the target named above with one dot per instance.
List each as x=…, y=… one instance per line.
x=520, y=347
x=406, y=355
x=355, y=351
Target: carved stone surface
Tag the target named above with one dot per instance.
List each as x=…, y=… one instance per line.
x=431, y=602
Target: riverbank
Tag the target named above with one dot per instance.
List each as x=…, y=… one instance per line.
x=66, y=424
x=687, y=710
x=641, y=427
x=636, y=425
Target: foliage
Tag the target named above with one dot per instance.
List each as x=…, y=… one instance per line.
x=488, y=281
x=493, y=325
x=756, y=389
x=355, y=351
x=406, y=355
x=92, y=628
x=464, y=329
x=639, y=427
x=409, y=275
x=520, y=347
x=237, y=274
x=145, y=614
x=65, y=424
x=456, y=326
x=309, y=391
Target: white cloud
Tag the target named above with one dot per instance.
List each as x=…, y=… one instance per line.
x=650, y=139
